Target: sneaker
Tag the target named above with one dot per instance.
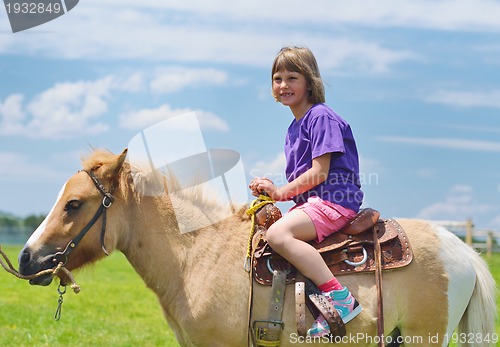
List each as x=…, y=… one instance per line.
x=346, y=306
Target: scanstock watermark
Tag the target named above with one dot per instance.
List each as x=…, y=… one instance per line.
x=28, y=14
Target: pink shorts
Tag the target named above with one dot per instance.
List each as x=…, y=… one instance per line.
x=326, y=216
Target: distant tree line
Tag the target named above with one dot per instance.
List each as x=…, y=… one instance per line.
x=12, y=224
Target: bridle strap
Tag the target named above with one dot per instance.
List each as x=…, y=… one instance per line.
x=101, y=188
x=103, y=230
x=107, y=201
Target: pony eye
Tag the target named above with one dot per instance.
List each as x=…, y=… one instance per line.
x=72, y=205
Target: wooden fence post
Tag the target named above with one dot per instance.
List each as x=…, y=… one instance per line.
x=489, y=244
x=469, y=230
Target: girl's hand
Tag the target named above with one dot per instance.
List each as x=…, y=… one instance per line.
x=260, y=184
x=254, y=185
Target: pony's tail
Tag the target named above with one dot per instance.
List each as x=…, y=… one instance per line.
x=477, y=326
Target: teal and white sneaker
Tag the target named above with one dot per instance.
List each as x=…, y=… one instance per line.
x=346, y=306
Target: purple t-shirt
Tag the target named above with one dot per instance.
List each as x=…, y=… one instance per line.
x=322, y=131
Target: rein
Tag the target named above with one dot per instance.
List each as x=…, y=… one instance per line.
x=107, y=201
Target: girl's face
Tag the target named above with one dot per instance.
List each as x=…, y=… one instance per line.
x=291, y=89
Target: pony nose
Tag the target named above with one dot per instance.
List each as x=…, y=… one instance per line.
x=24, y=261
x=24, y=257
x=30, y=263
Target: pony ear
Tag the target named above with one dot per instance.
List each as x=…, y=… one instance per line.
x=121, y=159
x=117, y=165
x=109, y=167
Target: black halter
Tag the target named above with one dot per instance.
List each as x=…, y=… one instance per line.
x=107, y=201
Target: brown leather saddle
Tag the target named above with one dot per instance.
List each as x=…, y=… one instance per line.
x=351, y=250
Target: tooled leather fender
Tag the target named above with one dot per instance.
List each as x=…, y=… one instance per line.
x=395, y=246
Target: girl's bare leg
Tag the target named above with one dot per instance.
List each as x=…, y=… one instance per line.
x=287, y=237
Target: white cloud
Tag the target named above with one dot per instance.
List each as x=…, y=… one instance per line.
x=70, y=109
x=172, y=79
x=443, y=15
x=209, y=33
x=461, y=144
x=466, y=98
x=144, y=118
x=12, y=114
x=460, y=15
x=210, y=121
x=132, y=83
x=356, y=55
x=246, y=33
x=458, y=204
x=62, y=111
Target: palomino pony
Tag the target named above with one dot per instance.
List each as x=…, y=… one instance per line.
x=203, y=289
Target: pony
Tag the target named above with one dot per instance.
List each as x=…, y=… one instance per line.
x=200, y=282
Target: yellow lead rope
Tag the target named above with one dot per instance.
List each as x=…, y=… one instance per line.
x=257, y=204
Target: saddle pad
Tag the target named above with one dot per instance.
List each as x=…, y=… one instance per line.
x=337, y=248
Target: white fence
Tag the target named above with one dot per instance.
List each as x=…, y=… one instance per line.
x=482, y=240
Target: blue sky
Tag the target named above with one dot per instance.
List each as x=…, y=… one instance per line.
x=418, y=81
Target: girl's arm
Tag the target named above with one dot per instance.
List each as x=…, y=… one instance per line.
x=317, y=174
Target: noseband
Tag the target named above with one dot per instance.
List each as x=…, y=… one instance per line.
x=107, y=201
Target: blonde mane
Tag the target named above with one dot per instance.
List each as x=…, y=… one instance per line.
x=137, y=181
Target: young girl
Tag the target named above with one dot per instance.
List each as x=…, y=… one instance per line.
x=322, y=169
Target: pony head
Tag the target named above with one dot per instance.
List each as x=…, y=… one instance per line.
x=75, y=231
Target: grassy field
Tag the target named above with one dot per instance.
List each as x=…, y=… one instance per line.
x=114, y=308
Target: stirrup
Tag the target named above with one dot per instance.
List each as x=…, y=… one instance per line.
x=326, y=309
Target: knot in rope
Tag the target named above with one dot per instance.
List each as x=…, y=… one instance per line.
x=261, y=201
x=7, y=265
x=256, y=205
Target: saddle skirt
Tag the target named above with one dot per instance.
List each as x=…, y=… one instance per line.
x=343, y=253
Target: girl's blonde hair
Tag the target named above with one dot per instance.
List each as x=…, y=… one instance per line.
x=301, y=60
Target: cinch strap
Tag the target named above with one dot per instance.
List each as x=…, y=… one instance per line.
x=268, y=332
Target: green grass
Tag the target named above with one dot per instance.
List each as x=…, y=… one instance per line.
x=494, y=264
x=114, y=308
